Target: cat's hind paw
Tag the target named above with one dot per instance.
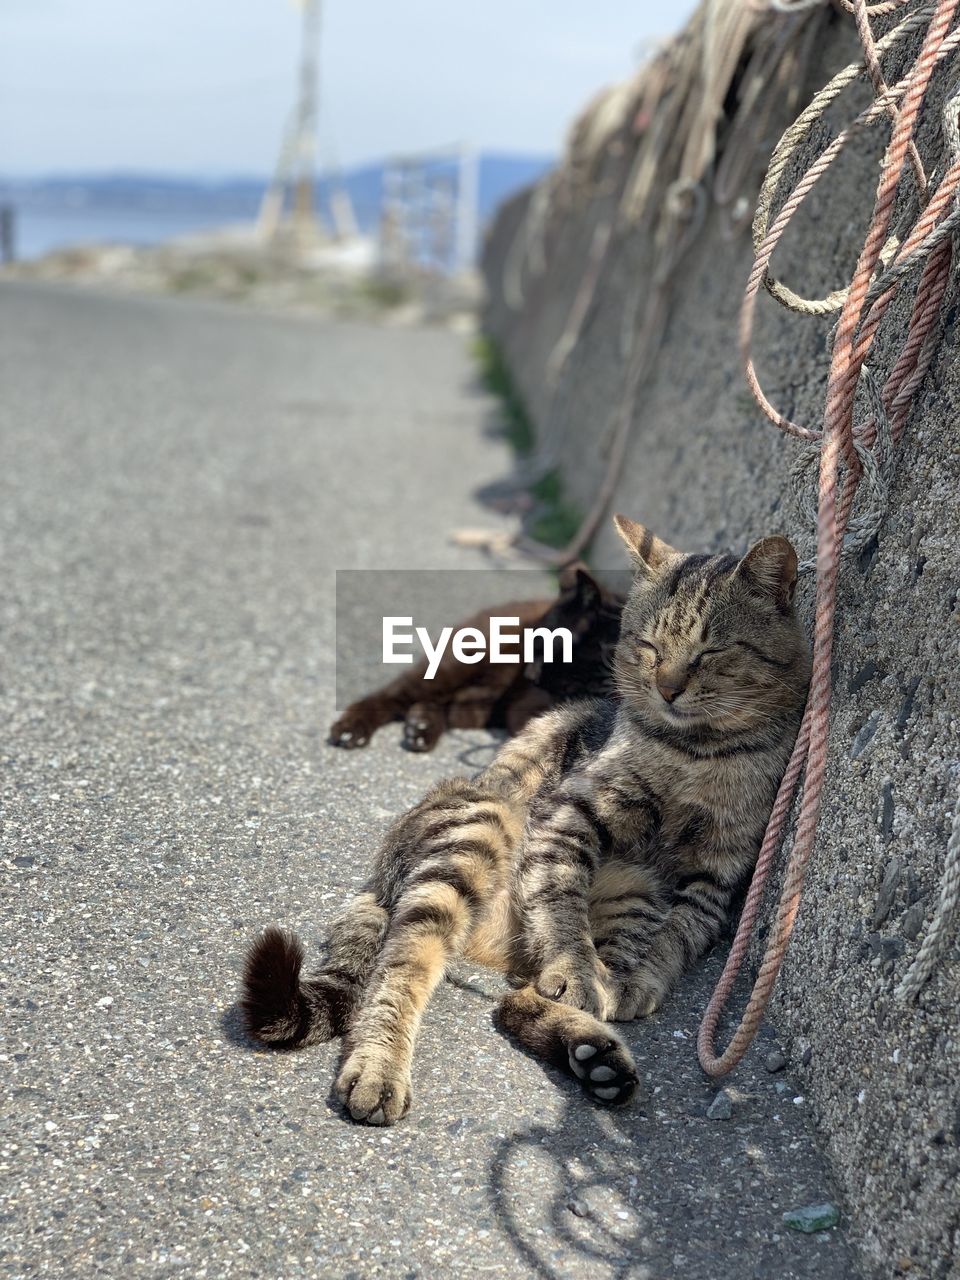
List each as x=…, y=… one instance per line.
x=579, y=986
x=569, y=1038
x=604, y=1067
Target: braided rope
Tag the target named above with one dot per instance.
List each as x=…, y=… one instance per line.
x=947, y=910
x=767, y=237
x=526, y=251
x=876, y=461
x=842, y=454
x=798, y=133
x=881, y=89
x=583, y=300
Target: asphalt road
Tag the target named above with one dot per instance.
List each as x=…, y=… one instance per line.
x=177, y=485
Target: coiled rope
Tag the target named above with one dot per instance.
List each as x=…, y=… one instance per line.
x=842, y=446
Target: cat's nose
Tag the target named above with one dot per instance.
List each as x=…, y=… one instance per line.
x=670, y=687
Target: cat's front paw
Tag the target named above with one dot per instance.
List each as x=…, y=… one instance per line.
x=354, y=728
x=374, y=1090
x=638, y=996
x=577, y=984
x=423, y=726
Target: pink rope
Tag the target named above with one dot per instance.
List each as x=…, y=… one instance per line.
x=856, y=330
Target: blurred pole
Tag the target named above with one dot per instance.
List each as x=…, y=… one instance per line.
x=8, y=247
x=467, y=209
x=271, y=206
x=307, y=121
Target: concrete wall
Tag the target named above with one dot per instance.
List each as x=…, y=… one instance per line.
x=704, y=469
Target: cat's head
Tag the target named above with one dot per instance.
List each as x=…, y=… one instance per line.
x=591, y=613
x=711, y=641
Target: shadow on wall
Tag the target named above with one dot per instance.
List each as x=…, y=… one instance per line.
x=532, y=490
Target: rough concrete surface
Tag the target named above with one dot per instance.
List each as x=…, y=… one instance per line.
x=705, y=470
x=177, y=485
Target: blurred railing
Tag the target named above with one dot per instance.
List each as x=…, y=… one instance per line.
x=429, y=213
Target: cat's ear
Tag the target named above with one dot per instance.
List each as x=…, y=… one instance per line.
x=588, y=590
x=578, y=586
x=567, y=577
x=770, y=569
x=647, y=551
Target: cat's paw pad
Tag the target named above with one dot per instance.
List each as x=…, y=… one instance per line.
x=604, y=1067
x=349, y=732
x=421, y=729
x=373, y=1090
x=415, y=739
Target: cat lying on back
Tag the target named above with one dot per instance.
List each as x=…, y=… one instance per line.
x=496, y=695
x=594, y=860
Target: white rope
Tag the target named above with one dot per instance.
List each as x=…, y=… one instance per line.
x=944, y=918
x=877, y=464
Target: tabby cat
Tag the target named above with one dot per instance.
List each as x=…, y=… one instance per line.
x=496, y=695
x=593, y=861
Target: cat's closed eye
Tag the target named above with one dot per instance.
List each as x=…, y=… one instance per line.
x=705, y=653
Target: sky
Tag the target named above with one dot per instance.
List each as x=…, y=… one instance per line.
x=204, y=87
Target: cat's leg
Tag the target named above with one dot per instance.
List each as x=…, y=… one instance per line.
x=360, y=721
x=471, y=713
x=528, y=703
x=287, y=1011
x=628, y=906
x=424, y=726
x=573, y=1040
x=457, y=846
x=559, y=858
x=695, y=919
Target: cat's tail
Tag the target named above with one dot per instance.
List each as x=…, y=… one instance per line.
x=287, y=1011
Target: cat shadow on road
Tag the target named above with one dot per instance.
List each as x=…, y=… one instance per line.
x=234, y=1028
x=657, y=1188
x=592, y=1223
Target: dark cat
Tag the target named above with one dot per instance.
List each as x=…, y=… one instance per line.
x=497, y=695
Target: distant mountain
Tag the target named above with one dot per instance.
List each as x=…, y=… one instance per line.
x=157, y=198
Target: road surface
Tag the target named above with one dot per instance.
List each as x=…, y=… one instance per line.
x=178, y=484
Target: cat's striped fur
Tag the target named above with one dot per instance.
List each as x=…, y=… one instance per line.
x=594, y=861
